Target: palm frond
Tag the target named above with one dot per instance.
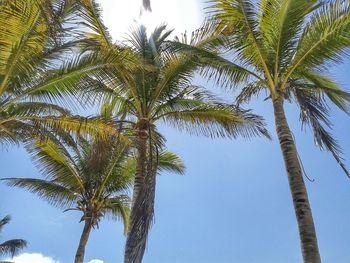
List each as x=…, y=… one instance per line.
x=50, y=191
x=314, y=112
x=325, y=39
x=118, y=207
x=12, y=247
x=217, y=121
x=239, y=19
x=4, y=221
x=91, y=15
x=168, y=161
x=317, y=82
x=252, y=89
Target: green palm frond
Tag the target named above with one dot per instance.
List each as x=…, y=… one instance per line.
x=169, y=161
x=56, y=163
x=32, y=76
x=249, y=91
x=317, y=82
x=118, y=207
x=324, y=39
x=239, y=18
x=216, y=121
x=91, y=16
x=54, y=193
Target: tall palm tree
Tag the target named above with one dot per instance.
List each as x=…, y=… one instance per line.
x=284, y=47
x=90, y=177
x=157, y=88
x=35, y=38
x=13, y=246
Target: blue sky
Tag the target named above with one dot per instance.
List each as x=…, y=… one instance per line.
x=233, y=204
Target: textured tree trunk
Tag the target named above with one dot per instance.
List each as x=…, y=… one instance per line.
x=79, y=256
x=142, y=208
x=301, y=203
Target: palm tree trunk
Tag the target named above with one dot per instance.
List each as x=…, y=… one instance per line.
x=79, y=256
x=301, y=203
x=142, y=208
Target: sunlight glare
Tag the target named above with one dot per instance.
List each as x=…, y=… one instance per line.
x=121, y=16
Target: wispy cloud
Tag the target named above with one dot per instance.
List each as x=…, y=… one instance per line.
x=95, y=261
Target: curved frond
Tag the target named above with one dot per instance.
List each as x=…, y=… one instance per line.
x=91, y=15
x=50, y=191
x=168, y=161
x=118, y=207
x=325, y=39
x=216, y=121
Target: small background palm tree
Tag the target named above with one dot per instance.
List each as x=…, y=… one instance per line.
x=92, y=177
x=10, y=247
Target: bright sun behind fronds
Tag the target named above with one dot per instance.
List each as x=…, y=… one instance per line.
x=121, y=16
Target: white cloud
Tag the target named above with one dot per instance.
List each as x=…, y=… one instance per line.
x=39, y=258
x=32, y=258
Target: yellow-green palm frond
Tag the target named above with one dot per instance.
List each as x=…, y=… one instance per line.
x=325, y=38
x=97, y=36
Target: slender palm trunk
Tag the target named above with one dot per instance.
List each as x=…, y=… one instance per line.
x=301, y=203
x=79, y=256
x=142, y=208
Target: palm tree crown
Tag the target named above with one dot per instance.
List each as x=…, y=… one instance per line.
x=285, y=47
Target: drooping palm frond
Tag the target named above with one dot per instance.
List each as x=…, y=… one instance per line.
x=315, y=113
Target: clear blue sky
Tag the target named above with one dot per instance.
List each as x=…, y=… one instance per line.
x=233, y=204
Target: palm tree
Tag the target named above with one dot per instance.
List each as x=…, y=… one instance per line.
x=12, y=246
x=34, y=76
x=284, y=47
x=90, y=177
x=156, y=87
